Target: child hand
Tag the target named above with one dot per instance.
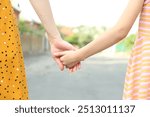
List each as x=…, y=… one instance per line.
x=68, y=58
x=74, y=66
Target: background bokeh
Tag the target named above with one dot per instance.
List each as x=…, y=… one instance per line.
x=79, y=22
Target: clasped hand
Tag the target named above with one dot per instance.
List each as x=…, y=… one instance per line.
x=63, y=53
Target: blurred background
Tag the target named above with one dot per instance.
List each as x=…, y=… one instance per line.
x=101, y=77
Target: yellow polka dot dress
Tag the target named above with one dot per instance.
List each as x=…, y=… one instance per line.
x=13, y=85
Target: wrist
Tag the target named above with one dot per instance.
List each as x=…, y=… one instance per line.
x=79, y=55
x=53, y=39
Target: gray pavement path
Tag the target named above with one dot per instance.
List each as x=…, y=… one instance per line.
x=100, y=78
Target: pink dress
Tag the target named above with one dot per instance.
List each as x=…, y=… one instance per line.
x=137, y=82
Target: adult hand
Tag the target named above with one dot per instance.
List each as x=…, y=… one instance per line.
x=59, y=45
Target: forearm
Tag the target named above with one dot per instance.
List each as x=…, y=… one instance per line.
x=106, y=40
x=43, y=10
x=117, y=33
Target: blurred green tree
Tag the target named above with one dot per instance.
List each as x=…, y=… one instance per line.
x=81, y=35
x=126, y=45
x=24, y=28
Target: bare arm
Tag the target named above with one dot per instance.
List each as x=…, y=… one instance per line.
x=43, y=10
x=109, y=38
x=118, y=32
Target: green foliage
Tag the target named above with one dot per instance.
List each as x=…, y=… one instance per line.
x=73, y=39
x=126, y=45
x=82, y=35
x=24, y=28
x=129, y=41
x=86, y=34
